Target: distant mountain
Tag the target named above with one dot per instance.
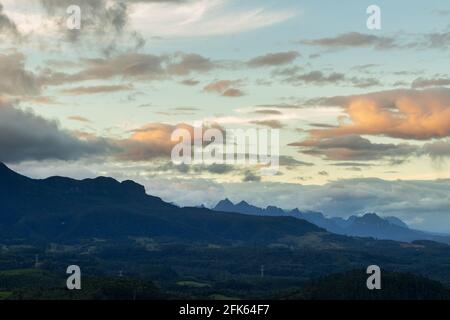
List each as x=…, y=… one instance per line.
x=334, y=225
x=64, y=209
x=245, y=208
x=396, y=221
x=367, y=225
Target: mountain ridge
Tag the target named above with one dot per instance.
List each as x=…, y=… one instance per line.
x=58, y=209
x=366, y=225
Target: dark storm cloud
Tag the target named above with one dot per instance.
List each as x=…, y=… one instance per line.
x=27, y=136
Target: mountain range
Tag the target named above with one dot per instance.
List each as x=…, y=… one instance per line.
x=63, y=209
x=366, y=225
x=59, y=209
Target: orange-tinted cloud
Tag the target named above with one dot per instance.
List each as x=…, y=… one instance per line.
x=405, y=114
x=153, y=140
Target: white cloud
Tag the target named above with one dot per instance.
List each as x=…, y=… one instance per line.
x=201, y=18
x=248, y=116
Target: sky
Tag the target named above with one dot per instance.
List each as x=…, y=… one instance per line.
x=363, y=114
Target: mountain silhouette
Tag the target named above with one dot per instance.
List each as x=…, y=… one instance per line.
x=245, y=208
x=367, y=225
x=64, y=209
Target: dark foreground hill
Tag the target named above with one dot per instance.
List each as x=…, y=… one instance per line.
x=63, y=209
x=352, y=286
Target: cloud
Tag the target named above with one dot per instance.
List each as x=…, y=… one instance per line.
x=187, y=63
x=316, y=77
x=352, y=164
x=273, y=59
x=354, y=39
x=7, y=26
x=26, y=136
x=432, y=40
x=190, y=82
x=320, y=78
x=14, y=79
x=225, y=88
x=79, y=119
x=215, y=168
x=233, y=93
x=274, y=124
x=150, y=141
x=353, y=147
x=101, y=20
x=153, y=141
x=107, y=24
x=365, y=82
x=97, y=89
x=289, y=161
x=136, y=66
x=118, y=26
x=424, y=83
x=268, y=111
x=249, y=176
x=404, y=114
x=437, y=149
x=131, y=65
x=201, y=18
x=441, y=12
